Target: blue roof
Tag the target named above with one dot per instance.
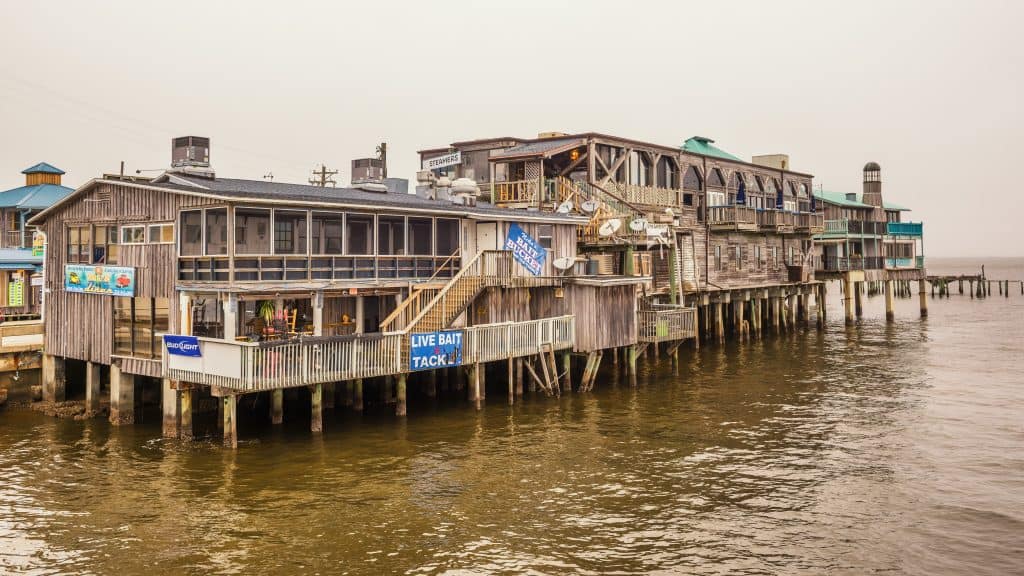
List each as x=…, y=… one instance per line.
x=38, y=197
x=19, y=259
x=42, y=168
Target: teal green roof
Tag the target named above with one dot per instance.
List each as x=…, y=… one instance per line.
x=38, y=197
x=703, y=146
x=840, y=199
x=42, y=168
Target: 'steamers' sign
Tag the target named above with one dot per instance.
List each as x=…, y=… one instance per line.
x=525, y=249
x=435, y=350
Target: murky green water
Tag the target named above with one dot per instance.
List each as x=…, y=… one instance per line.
x=881, y=448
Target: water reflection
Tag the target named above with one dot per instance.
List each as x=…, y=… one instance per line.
x=833, y=452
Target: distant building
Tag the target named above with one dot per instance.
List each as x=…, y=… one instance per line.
x=18, y=294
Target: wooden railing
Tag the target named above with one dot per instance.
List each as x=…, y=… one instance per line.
x=808, y=222
x=738, y=217
x=836, y=226
x=645, y=195
x=490, y=342
x=18, y=239
x=664, y=323
x=516, y=192
x=419, y=297
x=251, y=367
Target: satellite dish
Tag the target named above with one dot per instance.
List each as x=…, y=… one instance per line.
x=564, y=263
x=610, y=227
x=638, y=224
x=589, y=206
x=564, y=207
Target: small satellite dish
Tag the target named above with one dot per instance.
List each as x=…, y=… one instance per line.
x=590, y=206
x=610, y=227
x=638, y=224
x=564, y=207
x=564, y=263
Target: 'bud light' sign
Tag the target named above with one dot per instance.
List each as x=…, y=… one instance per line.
x=182, y=345
x=435, y=350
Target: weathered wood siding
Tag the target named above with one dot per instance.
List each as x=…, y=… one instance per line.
x=605, y=315
x=80, y=326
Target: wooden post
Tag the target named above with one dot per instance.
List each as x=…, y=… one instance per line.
x=170, y=408
x=848, y=299
x=890, y=303
x=357, y=395
x=477, y=395
x=696, y=336
x=54, y=383
x=122, y=397
x=923, y=297
x=632, y=362
x=277, y=406
x=186, y=414
x=92, y=389
x=400, y=405
x=719, y=331
x=511, y=381
x=519, y=377
x=567, y=371
x=741, y=329
x=857, y=287
x=316, y=421
x=230, y=420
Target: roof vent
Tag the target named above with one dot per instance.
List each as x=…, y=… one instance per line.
x=191, y=155
x=851, y=196
x=372, y=186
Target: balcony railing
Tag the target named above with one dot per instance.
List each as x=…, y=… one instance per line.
x=250, y=367
x=843, y=263
x=645, y=195
x=810, y=222
x=18, y=239
x=516, y=192
x=280, y=268
x=867, y=228
x=664, y=323
x=732, y=217
x=915, y=229
x=911, y=263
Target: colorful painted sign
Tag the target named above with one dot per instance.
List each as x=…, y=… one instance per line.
x=114, y=280
x=435, y=350
x=182, y=345
x=37, y=244
x=525, y=249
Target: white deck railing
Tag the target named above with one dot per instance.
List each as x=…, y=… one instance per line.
x=664, y=323
x=252, y=367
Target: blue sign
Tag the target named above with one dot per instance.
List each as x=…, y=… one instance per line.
x=435, y=350
x=182, y=345
x=113, y=280
x=525, y=249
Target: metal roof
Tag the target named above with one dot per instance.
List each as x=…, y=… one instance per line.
x=702, y=145
x=36, y=197
x=540, y=147
x=840, y=199
x=261, y=191
x=19, y=259
x=43, y=168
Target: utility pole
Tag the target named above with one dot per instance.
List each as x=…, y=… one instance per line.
x=323, y=177
x=382, y=154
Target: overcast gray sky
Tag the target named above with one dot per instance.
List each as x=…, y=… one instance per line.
x=930, y=90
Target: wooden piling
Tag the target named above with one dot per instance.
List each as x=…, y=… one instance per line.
x=477, y=393
x=277, y=406
x=92, y=389
x=357, y=395
x=511, y=381
x=631, y=359
x=122, y=397
x=230, y=420
x=400, y=393
x=170, y=408
x=316, y=423
x=890, y=302
x=923, y=298
x=567, y=371
x=186, y=432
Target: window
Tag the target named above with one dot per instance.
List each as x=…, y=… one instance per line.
x=757, y=256
x=290, y=232
x=421, y=236
x=78, y=244
x=791, y=261
x=775, y=257
x=716, y=199
x=139, y=326
x=358, y=234
x=446, y=236
x=216, y=231
x=545, y=234
x=327, y=233
x=739, y=257
x=252, y=231
x=718, y=258
x=191, y=238
x=104, y=246
x=391, y=235
x=161, y=233
x=133, y=234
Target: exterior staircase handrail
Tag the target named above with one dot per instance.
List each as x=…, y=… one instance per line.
x=472, y=268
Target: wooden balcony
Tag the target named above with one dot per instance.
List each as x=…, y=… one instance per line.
x=252, y=367
x=21, y=336
x=18, y=239
x=775, y=221
x=516, y=193
x=808, y=222
x=733, y=218
x=666, y=323
x=645, y=195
